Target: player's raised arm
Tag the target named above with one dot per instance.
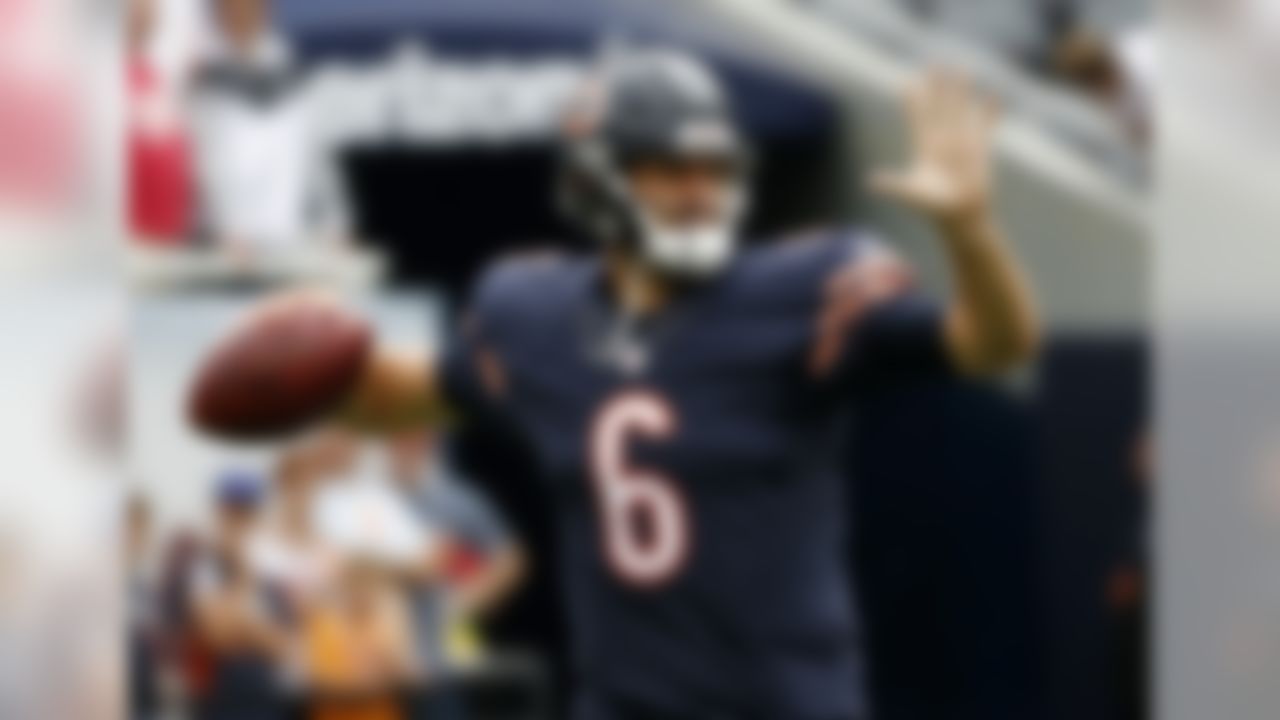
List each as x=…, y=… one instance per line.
x=991, y=322
x=301, y=359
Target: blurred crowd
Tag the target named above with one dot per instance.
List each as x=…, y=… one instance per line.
x=1104, y=50
x=221, y=155
x=223, y=151
x=334, y=589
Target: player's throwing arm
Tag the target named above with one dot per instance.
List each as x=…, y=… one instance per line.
x=302, y=358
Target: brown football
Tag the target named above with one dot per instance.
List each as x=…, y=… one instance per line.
x=283, y=368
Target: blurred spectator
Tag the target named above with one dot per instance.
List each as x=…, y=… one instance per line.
x=159, y=188
x=264, y=186
x=290, y=554
x=358, y=648
x=1082, y=58
x=1100, y=48
x=1114, y=72
x=237, y=614
x=1136, y=50
x=333, y=453
x=142, y=611
x=359, y=513
x=479, y=564
x=1021, y=30
x=184, y=649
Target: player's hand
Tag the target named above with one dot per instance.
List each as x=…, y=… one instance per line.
x=949, y=175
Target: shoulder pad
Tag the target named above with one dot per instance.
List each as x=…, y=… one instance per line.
x=512, y=278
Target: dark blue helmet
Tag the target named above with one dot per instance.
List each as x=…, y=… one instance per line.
x=647, y=104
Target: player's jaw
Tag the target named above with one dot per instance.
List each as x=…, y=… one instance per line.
x=688, y=213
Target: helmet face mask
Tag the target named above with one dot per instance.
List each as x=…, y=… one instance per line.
x=688, y=253
x=660, y=169
x=687, y=219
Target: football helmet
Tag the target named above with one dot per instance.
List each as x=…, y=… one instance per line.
x=652, y=104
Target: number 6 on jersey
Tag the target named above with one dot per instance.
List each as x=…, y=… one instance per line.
x=643, y=518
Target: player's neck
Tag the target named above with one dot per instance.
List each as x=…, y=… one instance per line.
x=636, y=288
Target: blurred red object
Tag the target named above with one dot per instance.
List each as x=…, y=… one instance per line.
x=159, y=161
x=461, y=561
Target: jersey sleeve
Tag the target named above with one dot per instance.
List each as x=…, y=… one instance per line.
x=875, y=327
x=900, y=340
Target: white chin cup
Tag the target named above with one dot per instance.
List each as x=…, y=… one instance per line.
x=693, y=251
x=697, y=251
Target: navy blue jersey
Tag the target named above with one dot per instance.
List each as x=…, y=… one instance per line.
x=693, y=456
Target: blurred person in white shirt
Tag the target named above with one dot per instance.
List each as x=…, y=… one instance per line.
x=359, y=513
x=290, y=553
x=265, y=185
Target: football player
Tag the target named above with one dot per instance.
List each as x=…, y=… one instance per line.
x=682, y=393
